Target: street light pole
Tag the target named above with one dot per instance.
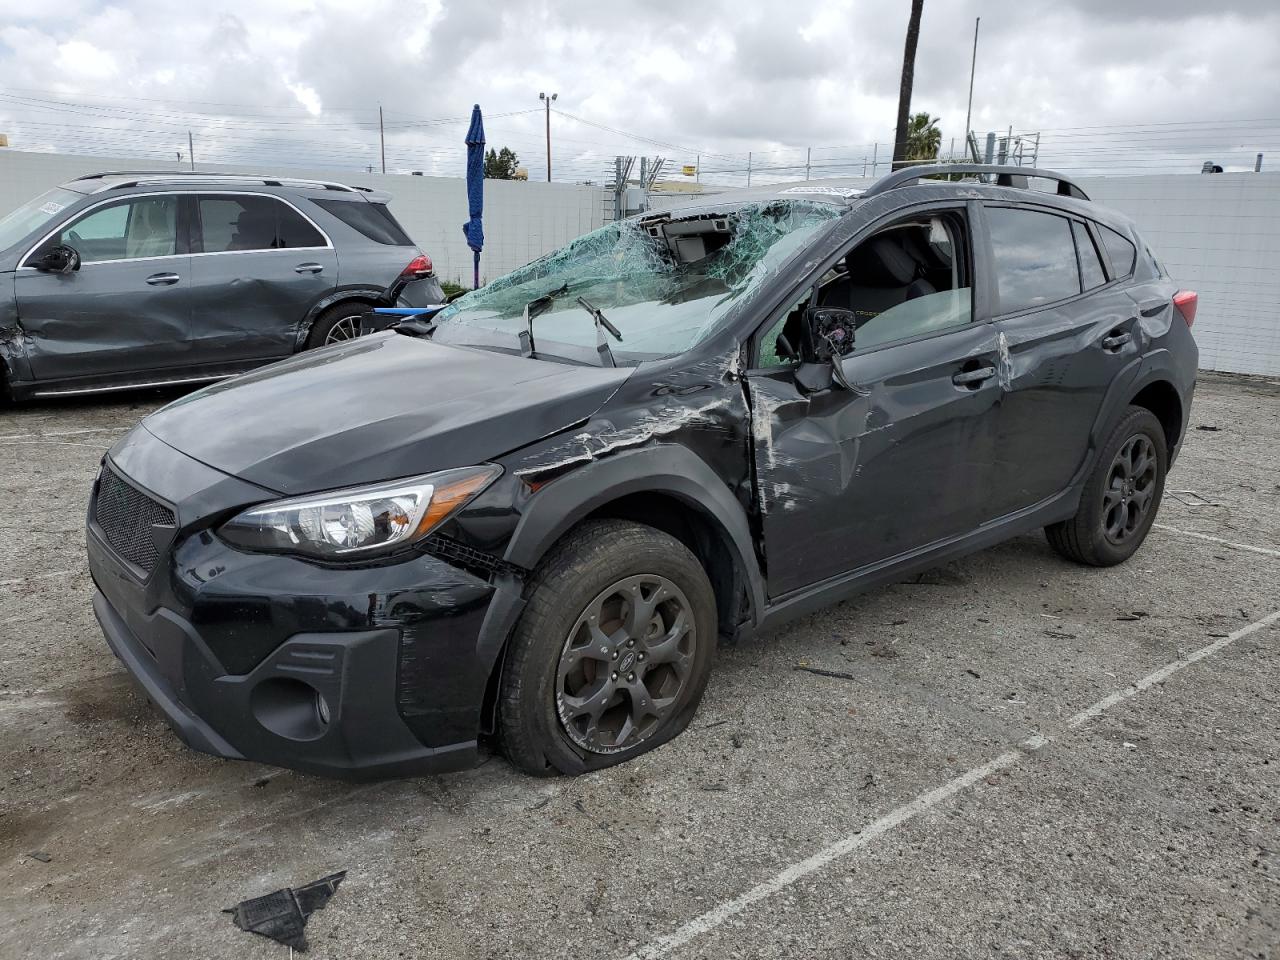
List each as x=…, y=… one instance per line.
x=973, y=68
x=547, y=101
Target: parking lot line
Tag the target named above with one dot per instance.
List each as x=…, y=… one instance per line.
x=61, y=433
x=1226, y=543
x=713, y=918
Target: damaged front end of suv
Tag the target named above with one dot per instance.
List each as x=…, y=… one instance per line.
x=322, y=564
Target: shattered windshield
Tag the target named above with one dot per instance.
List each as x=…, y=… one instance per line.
x=665, y=283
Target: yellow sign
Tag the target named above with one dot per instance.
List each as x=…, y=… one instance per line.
x=689, y=170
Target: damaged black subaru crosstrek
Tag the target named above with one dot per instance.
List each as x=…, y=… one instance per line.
x=534, y=516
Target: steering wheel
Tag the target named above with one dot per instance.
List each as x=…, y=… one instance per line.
x=75, y=237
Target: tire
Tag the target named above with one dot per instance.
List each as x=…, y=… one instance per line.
x=333, y=323
x=561, y=710
x=1121, y=495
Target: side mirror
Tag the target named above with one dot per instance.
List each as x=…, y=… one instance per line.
x=829, y=332
x=59, y=259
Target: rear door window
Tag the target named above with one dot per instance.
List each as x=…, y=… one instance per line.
x=1090, y=263
x=1035, y=258
x=1121, y=252
x=233, y=222
x=372, y=220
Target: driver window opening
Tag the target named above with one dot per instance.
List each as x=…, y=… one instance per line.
x=909, y=279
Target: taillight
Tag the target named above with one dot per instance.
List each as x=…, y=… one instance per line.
x=419, y=266
x=1186, y=301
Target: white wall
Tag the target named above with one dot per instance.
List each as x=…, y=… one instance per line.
x=1219, y=235
x=522, y=221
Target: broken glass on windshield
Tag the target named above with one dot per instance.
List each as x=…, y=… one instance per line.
x=667, y=282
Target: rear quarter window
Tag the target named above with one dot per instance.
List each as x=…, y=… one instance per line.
x=372, y=220
x=1120, y=250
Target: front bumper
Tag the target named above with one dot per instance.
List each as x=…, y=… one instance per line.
x=349, y=672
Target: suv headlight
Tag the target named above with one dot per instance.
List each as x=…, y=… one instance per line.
x=358, y=521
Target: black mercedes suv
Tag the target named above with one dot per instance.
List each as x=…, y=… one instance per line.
x=534, y=516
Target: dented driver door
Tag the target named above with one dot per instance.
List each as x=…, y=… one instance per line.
x=851, y=479
x=125, y=312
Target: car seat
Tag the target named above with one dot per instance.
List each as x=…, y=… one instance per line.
x=152, y=230
x=880, y=274
x=255, y=229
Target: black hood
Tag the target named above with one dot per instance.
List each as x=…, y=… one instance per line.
x=377, y=408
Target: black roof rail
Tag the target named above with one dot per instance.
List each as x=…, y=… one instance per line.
x=1006, y=176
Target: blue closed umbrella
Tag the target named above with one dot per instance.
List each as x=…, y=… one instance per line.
x=473, y=228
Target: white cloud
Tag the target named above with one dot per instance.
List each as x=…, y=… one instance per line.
x=301, y=80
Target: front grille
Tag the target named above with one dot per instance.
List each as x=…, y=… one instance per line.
x=125, y=515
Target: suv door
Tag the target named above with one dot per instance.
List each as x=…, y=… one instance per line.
x=258, y=265
x=850, y=479
x=1070, y=334
x=126, y=311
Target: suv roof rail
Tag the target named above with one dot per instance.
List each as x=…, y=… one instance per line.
x=1006, y=176
x=141, y=177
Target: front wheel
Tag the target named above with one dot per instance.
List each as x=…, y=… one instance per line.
x=1121, y=495
x=612, y=653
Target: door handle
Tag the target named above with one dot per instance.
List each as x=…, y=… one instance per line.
x=163, y=279
x=1116, y=341
x=971, y=378
x=308, y=268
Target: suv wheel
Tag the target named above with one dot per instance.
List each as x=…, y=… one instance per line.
x=1121, y=495
x=340, y=322
x=612, y=653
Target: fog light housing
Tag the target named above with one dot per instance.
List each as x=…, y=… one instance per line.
x=290, y=708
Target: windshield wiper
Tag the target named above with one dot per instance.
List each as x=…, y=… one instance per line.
x=602, y=324
x=536, y=307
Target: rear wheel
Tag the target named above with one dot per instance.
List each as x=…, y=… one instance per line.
x=612, y=654
x=1121, y=495
x=340, y=322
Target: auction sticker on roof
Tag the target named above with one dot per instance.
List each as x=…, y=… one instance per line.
x=51, y=208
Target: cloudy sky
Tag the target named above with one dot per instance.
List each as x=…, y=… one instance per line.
x=1152, y=85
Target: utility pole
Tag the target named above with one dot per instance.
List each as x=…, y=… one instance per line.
x=547, y=101
x=191, y=150
x=973, y=67
x=382, y=139
x=748, y=168
x=908, y=80
x=808, y=158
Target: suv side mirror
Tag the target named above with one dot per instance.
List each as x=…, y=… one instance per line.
x=829, y=332
x=59, y=259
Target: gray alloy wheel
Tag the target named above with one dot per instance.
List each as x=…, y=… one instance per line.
x=612, y=652
x=338, y=324
x=346, y=328
x=624, y=664
x=1130, y=489
x=1120, y=495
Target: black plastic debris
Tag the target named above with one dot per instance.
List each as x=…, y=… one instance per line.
x=39, y=855
x=818, y=671
x=282, y=914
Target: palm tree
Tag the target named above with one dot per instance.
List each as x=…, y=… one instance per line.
x=908, y=79
x=924, y=139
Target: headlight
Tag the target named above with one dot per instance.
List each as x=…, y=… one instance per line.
x=360, y=520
